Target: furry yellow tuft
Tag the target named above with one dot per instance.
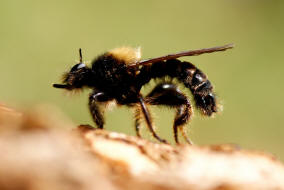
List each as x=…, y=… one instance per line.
x=127, y=54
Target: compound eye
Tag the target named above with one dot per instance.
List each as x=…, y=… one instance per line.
x=77, y=67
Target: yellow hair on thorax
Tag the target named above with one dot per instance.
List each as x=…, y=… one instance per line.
x=127, y=54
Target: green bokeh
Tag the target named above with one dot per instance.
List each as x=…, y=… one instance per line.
x=40, y=40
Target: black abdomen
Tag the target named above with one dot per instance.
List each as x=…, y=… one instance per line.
x=189, y=75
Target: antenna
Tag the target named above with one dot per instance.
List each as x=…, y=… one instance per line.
x=80, y=54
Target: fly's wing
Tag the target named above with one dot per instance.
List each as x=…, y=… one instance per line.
x=183, y=54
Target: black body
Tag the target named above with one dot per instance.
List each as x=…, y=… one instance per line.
x=114, y=79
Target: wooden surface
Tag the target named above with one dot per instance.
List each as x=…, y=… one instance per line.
x=37, y=153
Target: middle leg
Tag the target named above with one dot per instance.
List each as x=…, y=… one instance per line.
x=148, y=119
x=137, y=121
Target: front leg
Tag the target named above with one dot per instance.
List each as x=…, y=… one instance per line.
x=95, y=101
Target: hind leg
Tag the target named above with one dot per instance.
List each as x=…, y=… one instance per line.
x=183, y=115
x=168, y=94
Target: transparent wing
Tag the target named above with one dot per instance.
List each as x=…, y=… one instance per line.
x=183, y=54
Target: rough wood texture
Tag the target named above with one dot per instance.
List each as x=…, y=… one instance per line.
x=37, y=153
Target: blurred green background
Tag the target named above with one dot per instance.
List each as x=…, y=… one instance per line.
x=40, y=39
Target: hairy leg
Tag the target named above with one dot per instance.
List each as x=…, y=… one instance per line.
x=95, y=101
x=148, y=119
x=167, y=94
x=137, y=121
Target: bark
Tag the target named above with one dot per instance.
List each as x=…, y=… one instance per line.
x=38, y=153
